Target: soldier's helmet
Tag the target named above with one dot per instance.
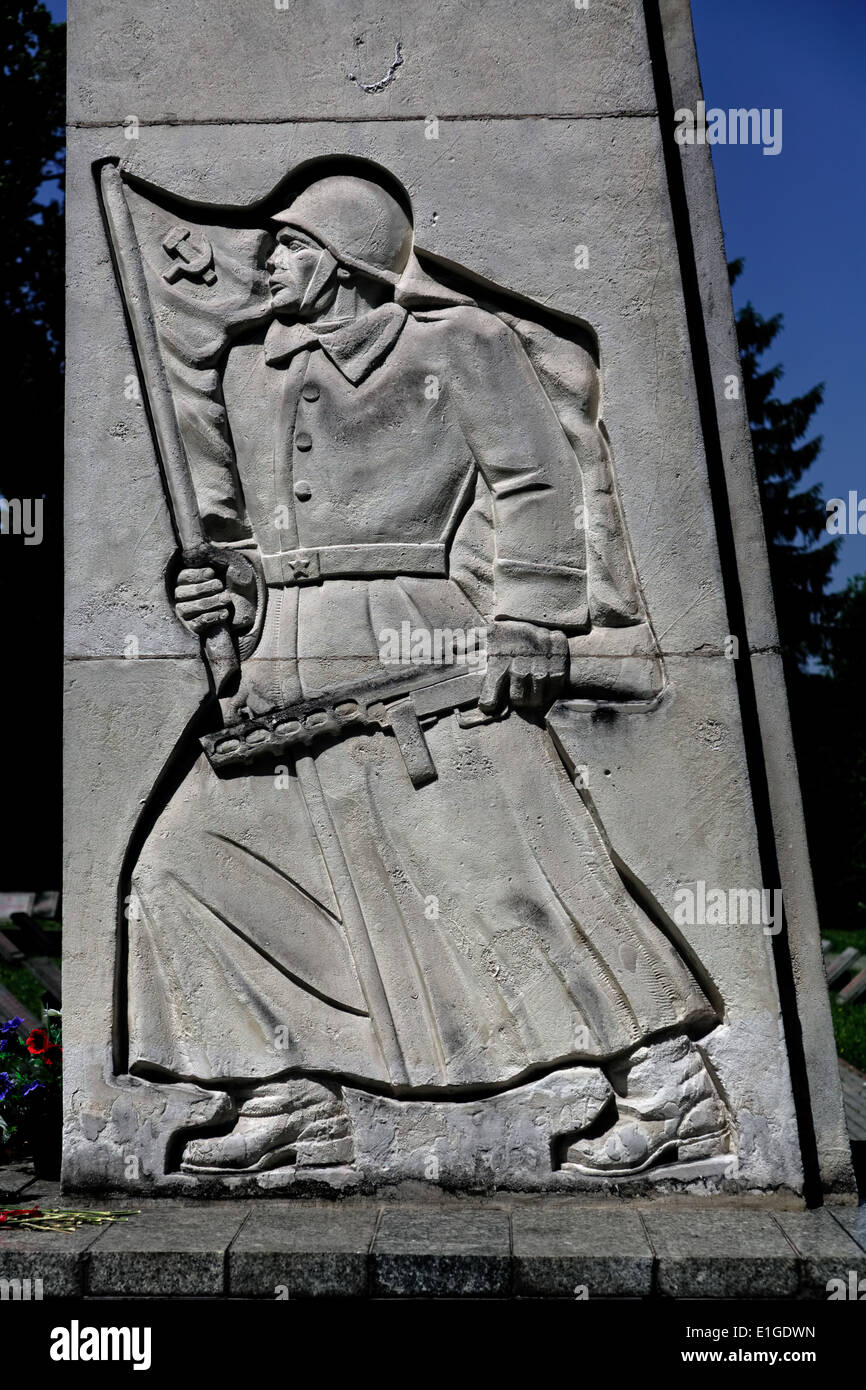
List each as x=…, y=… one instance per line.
x=359, y=222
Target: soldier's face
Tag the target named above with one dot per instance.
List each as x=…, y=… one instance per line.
x=294, y=268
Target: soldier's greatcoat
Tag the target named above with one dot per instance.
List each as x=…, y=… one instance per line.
x=331, y=918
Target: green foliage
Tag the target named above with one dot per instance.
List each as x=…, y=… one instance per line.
x=827, y=715
x=840, y=939
x=849, y=1028
x=821, y=632
x=802, y=555
x=30, y=1072
x=826, y=711
x=849, y=1020
x=22, y=985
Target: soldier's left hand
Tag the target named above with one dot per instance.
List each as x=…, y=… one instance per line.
x=526, y=666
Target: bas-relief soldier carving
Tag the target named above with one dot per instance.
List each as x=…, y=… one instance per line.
x=417, y=900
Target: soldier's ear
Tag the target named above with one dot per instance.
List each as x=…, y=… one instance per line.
x=324, y=269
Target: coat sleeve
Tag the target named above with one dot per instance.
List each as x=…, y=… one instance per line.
x=524, y=456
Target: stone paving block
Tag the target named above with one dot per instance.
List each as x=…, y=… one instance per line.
x=55, y=1258
x=721, y=1254
x=854, y=1100
x=826, y=1250
x=15, y=1180
x=559, y=1248
x=429, y=1253
x=853, y=1219
x=166, y=1250
x=303, y=1251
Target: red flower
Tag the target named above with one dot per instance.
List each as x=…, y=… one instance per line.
x=53, y=1055
x=37, y=1042
x=18, y=1211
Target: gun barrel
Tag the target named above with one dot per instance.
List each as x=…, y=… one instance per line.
x=349, y=708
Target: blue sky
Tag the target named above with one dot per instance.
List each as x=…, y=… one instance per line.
x=797, y=218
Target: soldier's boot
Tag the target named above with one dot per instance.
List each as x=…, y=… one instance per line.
x=289, y=1122
x=668, y=1111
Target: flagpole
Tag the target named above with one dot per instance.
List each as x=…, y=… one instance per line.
x=197, y=550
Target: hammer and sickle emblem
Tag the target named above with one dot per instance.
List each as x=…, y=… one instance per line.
x=189, y=259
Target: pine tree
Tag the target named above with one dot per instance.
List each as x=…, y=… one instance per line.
x=827, y=715
x=848, y=669
x=821, y=631
x=801, y=553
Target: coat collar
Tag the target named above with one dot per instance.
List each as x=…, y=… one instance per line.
x=355, y=346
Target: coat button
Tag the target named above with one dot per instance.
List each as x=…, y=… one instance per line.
x=310, y=391
x=303, y=441
x=303, y=490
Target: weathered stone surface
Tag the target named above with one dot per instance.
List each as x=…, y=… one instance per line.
x=14, y=1180
x=169, y=1251
x=755, y=592
x=303, y=1251
x=291, y=62
x=826, y=1251
x=464, y=1247
x=414, y=954
x=688, y=756
x=462, y=1254
x=853, y=1220
x=721, y=1254
x=470, y=1144
x=57, y=1260
x=803, y=935
x=564, y=1251
x=575, y=177
x=114, y=710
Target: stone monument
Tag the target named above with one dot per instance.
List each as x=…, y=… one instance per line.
x=431, y=806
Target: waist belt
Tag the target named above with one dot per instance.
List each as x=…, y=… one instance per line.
x=308, y=566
